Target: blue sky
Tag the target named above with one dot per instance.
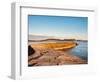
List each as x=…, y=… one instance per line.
x=58, y=26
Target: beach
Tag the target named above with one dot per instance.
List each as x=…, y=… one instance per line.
x=49, y=54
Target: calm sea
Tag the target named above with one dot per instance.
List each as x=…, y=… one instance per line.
x=81, y=50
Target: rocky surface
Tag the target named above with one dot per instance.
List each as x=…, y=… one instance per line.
x=30, y=50
x=49, y=56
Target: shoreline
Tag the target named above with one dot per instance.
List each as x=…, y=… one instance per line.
x=48, y=55
x=56, y=46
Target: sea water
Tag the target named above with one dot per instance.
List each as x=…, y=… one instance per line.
x=81, y=50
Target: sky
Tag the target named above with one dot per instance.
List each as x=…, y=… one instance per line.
x=58, y=26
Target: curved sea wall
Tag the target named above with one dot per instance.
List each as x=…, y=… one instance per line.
x=56, y=46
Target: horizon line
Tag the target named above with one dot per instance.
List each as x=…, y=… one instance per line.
x=58, y=37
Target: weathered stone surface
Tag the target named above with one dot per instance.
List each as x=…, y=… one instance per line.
x=49, y=56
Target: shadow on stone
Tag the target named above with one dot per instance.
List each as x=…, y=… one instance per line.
x=30, y=50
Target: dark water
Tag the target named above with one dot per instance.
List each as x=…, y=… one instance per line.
x=81, y=50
